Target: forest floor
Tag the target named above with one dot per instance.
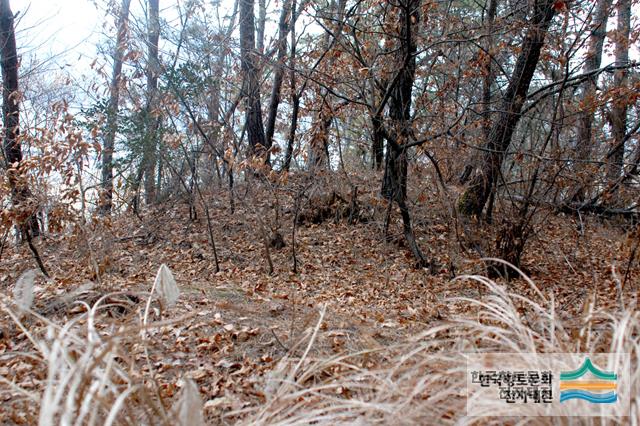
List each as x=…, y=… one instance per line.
x=230, y=328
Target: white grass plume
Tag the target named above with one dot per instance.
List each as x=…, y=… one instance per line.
x=189, y=407
x=23, y=290
x=166, y=287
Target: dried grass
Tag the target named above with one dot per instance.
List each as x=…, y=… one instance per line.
x=91, y=377
x=423, y=381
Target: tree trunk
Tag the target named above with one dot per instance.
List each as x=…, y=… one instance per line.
x=153, y=122
x=584, y=142
x=394, y=184
x=475, y=197
x=487, y=85
x=319, y=146
x=274, y=101
x=215, y=145
x=619, y=109
x=28, y=223
x=262, y=20
x=377, y=142
x=295, y=97
x=251, y=83
x=106, y=201
x=490, y=75
x=213, y=129
x=292, y=132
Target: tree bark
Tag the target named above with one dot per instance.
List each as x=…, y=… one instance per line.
x=319, y=153
x=153, y=122
x=106, y=201
x=295, y=97
x=487, y=85
x=286, y=20
x=619, y=109
x=251, y=83
x=262, y=20
x=584, y=142
x=475, y=197
x=394, y=184
x=377, y=138
x=490, y=76
x=21, y=194
x=215, y=146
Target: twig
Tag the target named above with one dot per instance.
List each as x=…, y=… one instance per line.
x=4, y=241
x=278, y=340
x=630, y=263
x=35, y=253
x=565, y=258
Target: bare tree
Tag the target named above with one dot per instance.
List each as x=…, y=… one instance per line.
x=476, y=195
x=106, y=201
x=490, y=74
x=283, y=30
x=319, y=149
x=11, y=120
x=394, y=185
x=584, y=141
x=262, y=22
x=251, y=82
x=618, y=116
x=295, y=96
x=487, y=85
x=149, y=160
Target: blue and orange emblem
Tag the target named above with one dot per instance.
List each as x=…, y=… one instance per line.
x=600, y=390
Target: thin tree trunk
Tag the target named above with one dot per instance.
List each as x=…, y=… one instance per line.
x=475, y=197
x=216, y=119
x=274, y=101
x=262, y=20
x=251, y=83
x=487, y=85
x=377, y=142
x=490, y=75
x=213, y=115
x=394, y=184
x=619, y=109
x=213, y=131
x=584, y=142
x=20, y=192
x=295, y=98
x=319, y=146
x=294, y=124
x=153, y=121
x=106, y=201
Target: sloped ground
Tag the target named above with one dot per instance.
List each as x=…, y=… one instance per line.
x=232, y=330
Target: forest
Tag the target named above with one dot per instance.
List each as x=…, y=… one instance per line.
x=321, y=212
